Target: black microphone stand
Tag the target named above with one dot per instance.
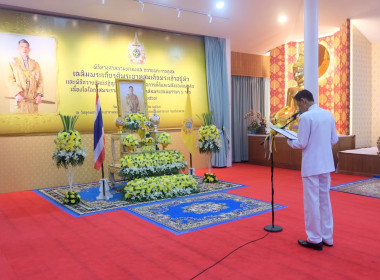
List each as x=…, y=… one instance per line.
x=273, y=227
x=290, y=120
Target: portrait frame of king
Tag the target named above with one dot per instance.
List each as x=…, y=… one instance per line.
x=131, y=97
x=25, y=80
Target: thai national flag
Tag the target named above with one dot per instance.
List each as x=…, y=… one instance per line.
x=99, y=140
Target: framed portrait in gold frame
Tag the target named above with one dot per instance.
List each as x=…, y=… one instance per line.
x=131, y=97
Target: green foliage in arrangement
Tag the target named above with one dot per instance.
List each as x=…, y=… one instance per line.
x=152, y=188
x=207, y=118
x=68, y=122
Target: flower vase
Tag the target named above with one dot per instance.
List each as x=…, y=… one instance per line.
x=261, y=130
x=70, y=175
x=164, y=146
x=131, y=149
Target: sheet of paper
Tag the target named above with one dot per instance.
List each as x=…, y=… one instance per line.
x=285, y=132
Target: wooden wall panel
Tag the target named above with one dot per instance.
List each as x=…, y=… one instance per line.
x=251, y=65
x=285, y=156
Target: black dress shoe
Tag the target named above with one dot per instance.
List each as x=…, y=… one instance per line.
x=315, y=246
x=328, y=245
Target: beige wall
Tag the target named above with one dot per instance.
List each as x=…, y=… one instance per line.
x=26, y=162
x=375, y=93
x=361, y=89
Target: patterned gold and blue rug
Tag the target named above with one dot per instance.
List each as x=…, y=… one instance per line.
x=367, y=187
x=182, y=215
x=90, y=205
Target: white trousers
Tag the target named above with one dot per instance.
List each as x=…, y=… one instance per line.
x=317, y=208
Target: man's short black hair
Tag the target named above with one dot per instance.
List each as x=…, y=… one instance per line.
x=131, y=87
x=304, y=94
x=23, y=41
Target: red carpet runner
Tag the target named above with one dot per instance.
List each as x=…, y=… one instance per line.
x=40, y=241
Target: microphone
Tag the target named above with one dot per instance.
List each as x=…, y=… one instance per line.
x=292, y=117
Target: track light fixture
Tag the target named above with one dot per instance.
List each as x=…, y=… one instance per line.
x=103, y=2
x=179, y=9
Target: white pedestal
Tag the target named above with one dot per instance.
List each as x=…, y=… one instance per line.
x=191, y=171
x=104, y=190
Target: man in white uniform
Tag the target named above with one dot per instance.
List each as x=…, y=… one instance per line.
x=316, y=135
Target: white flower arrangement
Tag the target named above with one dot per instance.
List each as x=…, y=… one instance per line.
x=164, y=138
x=68, y=145
x=130, y=140
x=208, y=136
x=208, y=139
x=147, y=141
x=151, y=148
x=152, y=164
x=68, y=152
x=153, y=188
x=135, y=120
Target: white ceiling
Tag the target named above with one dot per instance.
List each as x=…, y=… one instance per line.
x=250, y=24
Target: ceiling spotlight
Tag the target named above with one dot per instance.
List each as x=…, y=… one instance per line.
x=282, y=19
x=220, y=4
x=142, y=5
x=210, y=18
x=103, y=2
x=179, y=13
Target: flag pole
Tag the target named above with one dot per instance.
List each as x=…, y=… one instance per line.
x=97, y=84
x=187, y=129
x=191, y=157
x=103, y=187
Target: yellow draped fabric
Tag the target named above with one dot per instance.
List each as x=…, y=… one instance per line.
x=187, y=126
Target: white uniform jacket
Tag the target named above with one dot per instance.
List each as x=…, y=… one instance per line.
x=316, y=135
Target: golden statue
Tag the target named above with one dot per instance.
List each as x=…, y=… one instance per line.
x=282, y=116
x=291, y=107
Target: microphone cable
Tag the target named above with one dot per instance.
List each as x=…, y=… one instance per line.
x=234, y=250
